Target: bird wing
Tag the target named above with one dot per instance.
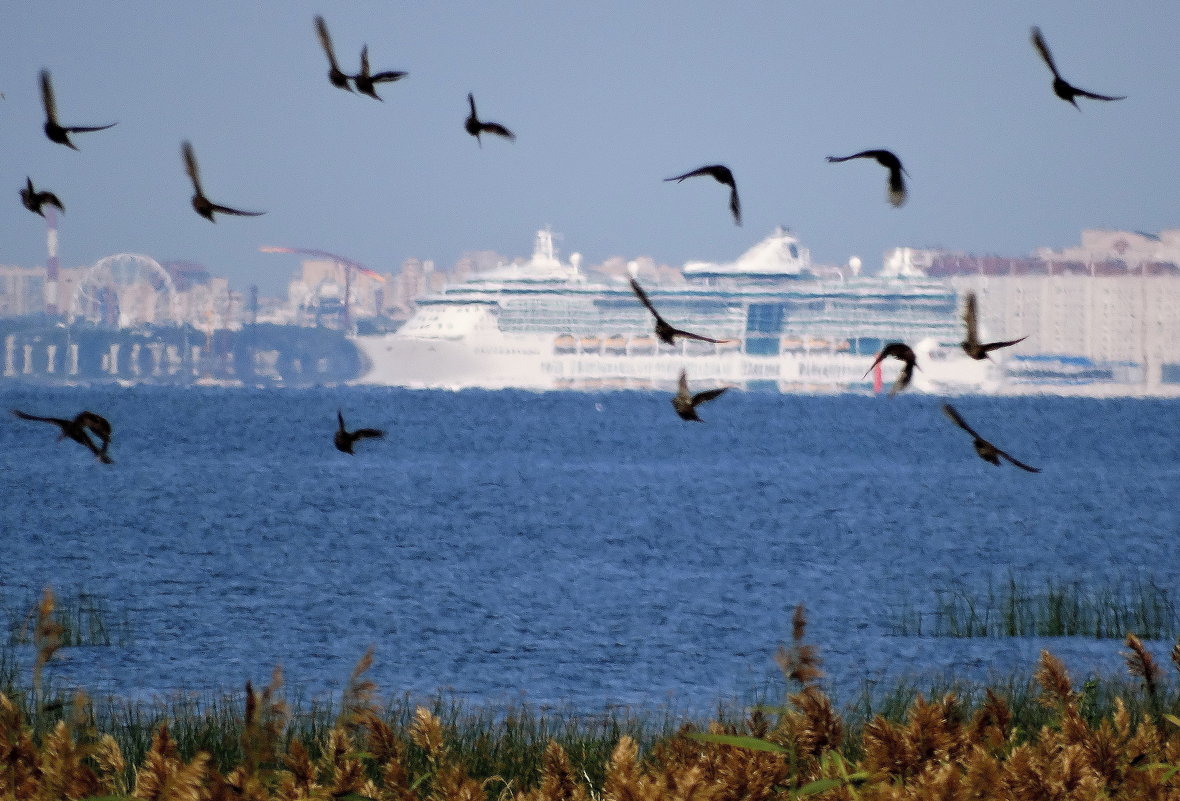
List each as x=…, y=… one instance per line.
x=238, y=212
x=190, y=165
x=95, y=422
x=89, y=128
x=498, y=129
x=1038, y=41
x=735, y=206
x=55, y=420
x=364, y=73
x=897, y=188
x=1084, y=93
x=959, y=421
x=707, y=395
x=366, y=433
x=903, y=379
x=690, y=335
x=682, y=389
x=969, y=320
x=51, y=199
x=1018, y=463
x=996, y=345
x=639, y=293
x=388, y=76
x=47, y=97
x=709, y=170
x=326, y=41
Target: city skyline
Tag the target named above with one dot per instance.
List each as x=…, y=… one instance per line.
x=606, y=102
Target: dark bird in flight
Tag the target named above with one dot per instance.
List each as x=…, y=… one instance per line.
x=686, y=403
x=77, y=430
x=55, y=131
x=665, y=332
x=475, y=126
x=902, y=352
x=203, y=205
x=971, y=345
x=345, y=439
x=335, y=76
x=986, y=451
x=897, y=188
x=366, y=81
x=34, y=200
x=722, y=175
x=1061, y=87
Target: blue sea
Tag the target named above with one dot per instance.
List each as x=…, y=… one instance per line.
x=569, y=549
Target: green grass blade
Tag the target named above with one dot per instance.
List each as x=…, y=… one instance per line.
x=752, y=743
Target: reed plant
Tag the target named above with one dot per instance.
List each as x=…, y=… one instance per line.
x=84, y=619
x=1040, y=737
x=1057, y=609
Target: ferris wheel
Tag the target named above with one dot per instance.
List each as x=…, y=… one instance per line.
x=124, y=290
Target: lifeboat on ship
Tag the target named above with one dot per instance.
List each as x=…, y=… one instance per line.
x=616, y=345
x=589, y=344
x=642, y=345
x=565, y=343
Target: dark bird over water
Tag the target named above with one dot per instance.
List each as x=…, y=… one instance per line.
x=665, y=332
x=686, y=403
x=1062, y=88
x=335, y=76
x=903, y=352
x=54, y=130
x=986, y=451
x=345, y=439
x=971, y=345
x=77, y=429
x=366, y=81
x=897, y=188
x=203, y=205
x=34, y=200
x=722, y=175
x=475, y=126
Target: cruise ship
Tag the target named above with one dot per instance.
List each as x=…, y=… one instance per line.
x=792, y=326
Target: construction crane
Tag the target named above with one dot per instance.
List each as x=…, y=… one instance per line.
x=348, y=265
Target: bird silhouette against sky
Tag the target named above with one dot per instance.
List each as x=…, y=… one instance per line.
x=34, y=200
x=203, y=205
x=77, y=430
x=897, y=188
x=664, y=331
x=904, y=353
x=971, y=345
x=53, y=129
x=345, y=439
x=1061, y=87
x=722, y=175
x=335, y=76
x=987, y=451
x=686, y=403
x=366, y=81
x=475, y=126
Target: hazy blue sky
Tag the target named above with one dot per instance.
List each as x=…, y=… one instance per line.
x=607, y=99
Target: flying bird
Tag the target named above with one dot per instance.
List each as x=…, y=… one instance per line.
x=366, y=81
x=54, y=130
x=971, y=345
x=203, y=205
x=335, y=76
x=1061, y=87
x=897, y=188
x=902, y=352
x=686, y=403
x=986, y=451
x=664, y=331
x=722, y=175
x=34, y=200
x=475, y=126
x=344, y=439
x=77, y=430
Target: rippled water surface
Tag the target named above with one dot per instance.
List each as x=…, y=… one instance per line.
x=565, y=547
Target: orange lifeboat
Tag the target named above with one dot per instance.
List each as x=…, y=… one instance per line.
x=616, y=344
x=565, y=343
x=643, y=344
x=590, y=344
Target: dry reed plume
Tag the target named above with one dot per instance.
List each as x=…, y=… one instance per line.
x=941, y=749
